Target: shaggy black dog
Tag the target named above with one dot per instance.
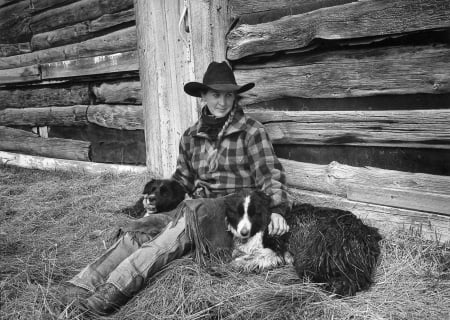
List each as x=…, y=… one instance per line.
x=159, y=195
x=333, y=247
x=329, y=246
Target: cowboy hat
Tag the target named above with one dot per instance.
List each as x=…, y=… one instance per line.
x=219, y=77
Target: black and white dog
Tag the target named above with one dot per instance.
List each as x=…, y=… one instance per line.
x=248, y=218
x=159, y=195
x=326, y=245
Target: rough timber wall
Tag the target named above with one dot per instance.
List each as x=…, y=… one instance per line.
x=64, y=66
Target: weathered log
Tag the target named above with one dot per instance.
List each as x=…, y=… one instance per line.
x=40, y=5
x=12, y=49
x=76, y=12
x=117, y=62
x=165, y=62
x=116, y=116
x=241, y=7
x=123, y=92
x=43, y=96
x=411, y=128
x=431, y=226
x=354, y=20
x=15, y=22
x=393, y=197
x=44, y=163
x=431, y=161
x=7, y=2
x=352, y=73
x=336, y=178
x=21, y=141
x=22, y=74
x=117, y=41
x=48, y=116
x=80, y=31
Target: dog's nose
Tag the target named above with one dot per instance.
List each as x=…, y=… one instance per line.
x=245, y=232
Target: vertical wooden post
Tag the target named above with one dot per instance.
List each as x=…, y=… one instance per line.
x=171, y=54
x=164, y=68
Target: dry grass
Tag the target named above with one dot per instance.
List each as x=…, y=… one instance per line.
x=53, y=224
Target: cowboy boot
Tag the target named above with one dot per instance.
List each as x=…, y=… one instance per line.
x=106, y=300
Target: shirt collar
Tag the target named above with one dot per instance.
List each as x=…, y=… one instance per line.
x=238, y=124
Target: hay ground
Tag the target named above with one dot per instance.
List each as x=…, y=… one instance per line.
x=53, y=224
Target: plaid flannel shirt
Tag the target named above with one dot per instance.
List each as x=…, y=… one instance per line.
x=246, y=159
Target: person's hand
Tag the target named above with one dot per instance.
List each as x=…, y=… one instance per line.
x=278, y=225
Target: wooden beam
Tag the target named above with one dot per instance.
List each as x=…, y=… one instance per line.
x=394, y=197
x=43, y=96
x=22, y=74
x=118, y=41
x=44, y=163
x=411, y=128
x=117, y=62
x=123, y=117
x=353, y=20
x=16, y=140
x=13, y=49
x=343, y=181
x=76, y=12
x=80, y=31
x=47, y=116
x=431, y=226
x=352, y=73
x=15, y=22
x=335, y=177
x=118, y=92
x=165, y=65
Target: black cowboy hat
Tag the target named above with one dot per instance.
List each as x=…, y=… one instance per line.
x=219, y=77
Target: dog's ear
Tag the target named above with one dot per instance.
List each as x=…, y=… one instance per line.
x=231, y=202
x=148, y=186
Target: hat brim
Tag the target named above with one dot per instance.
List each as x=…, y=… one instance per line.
x=195, y=89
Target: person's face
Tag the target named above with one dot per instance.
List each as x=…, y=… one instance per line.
x=219, y=103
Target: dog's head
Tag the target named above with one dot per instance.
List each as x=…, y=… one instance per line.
x=161, y=195
x=248, y=213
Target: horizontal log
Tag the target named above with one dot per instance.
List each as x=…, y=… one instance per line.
x=124, y=117
x=7, y=2
x=352, y=73
x=41, y=5
x=47, y=116
x=388, y=219
x=44, y=163
x=118, y=41
x=107, y=145
x=431, y=161
x=117, y=62
x=80, y=31
x=409, y=128
x=241, y=7
x=12, y=49
x=118, y=92
x=21, y=141
x=76, y=12
x=21, y=74
x=353, y=20
x=43, y=96
x=336, y=179
x=15, y=22
x=423, y=201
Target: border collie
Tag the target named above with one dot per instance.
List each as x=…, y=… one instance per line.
x=159, y=195
x=248, y=218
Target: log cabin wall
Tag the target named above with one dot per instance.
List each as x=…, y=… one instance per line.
x=69, y=80
x=364, y=83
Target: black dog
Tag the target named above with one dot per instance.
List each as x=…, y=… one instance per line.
x=329, y=246
x=159, y=195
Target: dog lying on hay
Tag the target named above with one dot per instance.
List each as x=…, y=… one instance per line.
x=159, y=195
x=329, y=246
x=326, y=245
